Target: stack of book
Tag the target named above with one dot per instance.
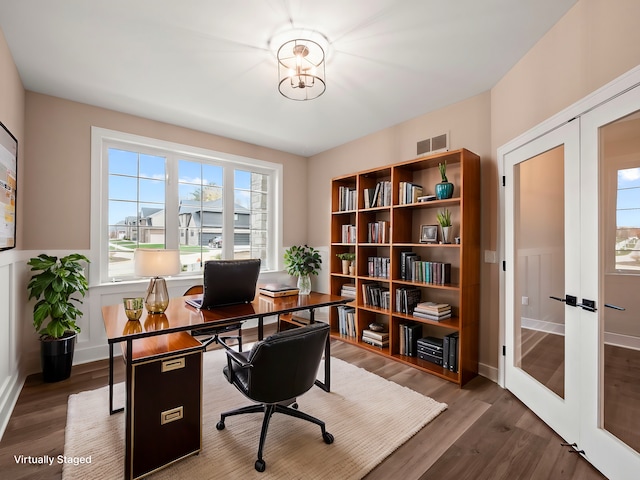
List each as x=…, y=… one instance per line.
x=432, y=311
x=348, y=290
x=431, y=350
x=377, y=339
x=346, y=320
x=450, y=352
x=278, y=290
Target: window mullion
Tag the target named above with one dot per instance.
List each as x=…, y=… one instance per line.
x=171, y=202
x=228, y=213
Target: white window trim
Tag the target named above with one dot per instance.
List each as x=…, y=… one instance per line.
x=99, y=187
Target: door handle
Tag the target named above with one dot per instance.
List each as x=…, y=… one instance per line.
x=568, y=299
x=615, y=307
x=588, y=305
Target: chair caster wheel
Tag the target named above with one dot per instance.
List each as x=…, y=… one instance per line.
x=294, y=405
x=220, y=425
x=328, y=438
x=260, y=465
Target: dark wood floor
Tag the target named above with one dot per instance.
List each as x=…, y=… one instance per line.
x=486, y=433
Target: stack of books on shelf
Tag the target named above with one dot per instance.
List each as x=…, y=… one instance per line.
x=347, y=199
x=428, y=272
x=348, y=290
x=406, y=299
x=379, y=196
x=409, y=193
x=376, y=295
x=431, y=350
x=378, y=267
x=346, y=320
x=432, y=311
x=378, y=232
x=410, y=333
x=377, y=339
x=348, y=234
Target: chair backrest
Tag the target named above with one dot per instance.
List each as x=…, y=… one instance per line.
x=229, y=282
x=285, y=364
x=194, y=290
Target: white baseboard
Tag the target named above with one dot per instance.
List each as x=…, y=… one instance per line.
x=8, y=398
x=488, y=371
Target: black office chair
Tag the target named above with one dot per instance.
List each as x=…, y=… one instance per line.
x=274, y=372
x=214, y=332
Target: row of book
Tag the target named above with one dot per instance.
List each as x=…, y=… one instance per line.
x=407, y=298
x=409, y=193
x=348, y=290
x=346, y=321
x=413, y=269
x=409, y=335
x=378, y=232
x=441, y=351
x=377, y=339
x=378, y=267
x=349, y=234
x=376, y=295
x=380, y=196
x=347, y=199
x=432, y=311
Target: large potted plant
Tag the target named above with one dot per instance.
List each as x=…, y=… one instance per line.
x=302, y=261
x=56, y=284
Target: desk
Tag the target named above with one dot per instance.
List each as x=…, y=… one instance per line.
x=140, y=338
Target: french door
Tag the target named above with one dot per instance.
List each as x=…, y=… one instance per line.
x=572, y=283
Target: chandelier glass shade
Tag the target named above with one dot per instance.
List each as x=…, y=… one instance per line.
x=301, y=69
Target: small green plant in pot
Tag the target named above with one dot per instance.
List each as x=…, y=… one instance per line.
x=302, y=261
x=444, y=219
x=347, y=262
x=444, y=189
x=56, y=284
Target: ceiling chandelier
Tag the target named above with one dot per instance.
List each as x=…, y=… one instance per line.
x=301, y=69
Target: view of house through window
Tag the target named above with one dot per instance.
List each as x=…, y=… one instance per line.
x=628, y=220
x=214, y=208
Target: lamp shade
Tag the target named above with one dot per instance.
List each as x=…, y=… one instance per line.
x=149, y=262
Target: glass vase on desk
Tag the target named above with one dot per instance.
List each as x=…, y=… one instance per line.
x=304, y=284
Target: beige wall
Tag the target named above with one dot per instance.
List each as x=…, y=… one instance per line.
x=57, y=195
x=12, y=96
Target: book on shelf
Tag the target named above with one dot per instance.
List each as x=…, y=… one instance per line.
x=375, y=342
x=435, y=318
x=420, y=271
x=409, y=335
x=407, y=298
x=347, y=198
x=433, y=307
x=346, y=320
x=453, y=352
x=277, y=290
x=378, y=232
x=348, y=233
x=378, y=266
x=348, y=290
x=426, y=198
x=409, y=192
x=376, y=295
x=380, y=336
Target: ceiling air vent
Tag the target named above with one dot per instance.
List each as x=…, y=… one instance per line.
x=439, y=143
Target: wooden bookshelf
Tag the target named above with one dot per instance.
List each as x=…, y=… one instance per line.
x=404, y=221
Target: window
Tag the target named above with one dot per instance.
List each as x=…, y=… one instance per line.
x=155, y=194
x=627, y=243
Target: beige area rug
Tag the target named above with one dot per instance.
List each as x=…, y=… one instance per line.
x=369, y=416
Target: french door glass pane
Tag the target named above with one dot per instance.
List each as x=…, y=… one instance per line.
x=539, y=251
x=619, y=164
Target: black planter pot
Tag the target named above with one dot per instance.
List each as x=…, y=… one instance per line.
x=56, y=357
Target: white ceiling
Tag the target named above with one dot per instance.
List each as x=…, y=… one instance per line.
x=206, y=64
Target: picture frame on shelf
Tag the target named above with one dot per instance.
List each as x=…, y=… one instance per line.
x=428, y=234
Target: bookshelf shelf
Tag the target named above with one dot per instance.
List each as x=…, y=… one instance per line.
x=378, y=196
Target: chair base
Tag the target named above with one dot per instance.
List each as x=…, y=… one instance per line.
x=269, y=409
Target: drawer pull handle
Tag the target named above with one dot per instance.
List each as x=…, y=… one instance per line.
x=173, y=364
x=172, y=415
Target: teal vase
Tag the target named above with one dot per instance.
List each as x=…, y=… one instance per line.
x=444, y=190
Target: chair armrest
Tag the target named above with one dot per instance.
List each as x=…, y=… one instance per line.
x=233, y=356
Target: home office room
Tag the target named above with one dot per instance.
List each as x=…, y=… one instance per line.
x=290, y=239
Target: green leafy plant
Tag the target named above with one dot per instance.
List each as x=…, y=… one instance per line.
x=302, y=260
x=53, y=287
x=346, y=256
x=443, y=171
x=444, y=218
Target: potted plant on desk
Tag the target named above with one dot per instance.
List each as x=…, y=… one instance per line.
x=54, y=286
x=302, y=261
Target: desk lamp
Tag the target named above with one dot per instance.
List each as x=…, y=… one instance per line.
x=156, y=264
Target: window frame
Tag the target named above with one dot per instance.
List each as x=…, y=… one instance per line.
x=102, y=139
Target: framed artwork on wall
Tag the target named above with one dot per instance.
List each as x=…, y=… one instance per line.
x=8, y=187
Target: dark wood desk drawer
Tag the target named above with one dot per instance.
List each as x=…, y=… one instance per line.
x=166, y=406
